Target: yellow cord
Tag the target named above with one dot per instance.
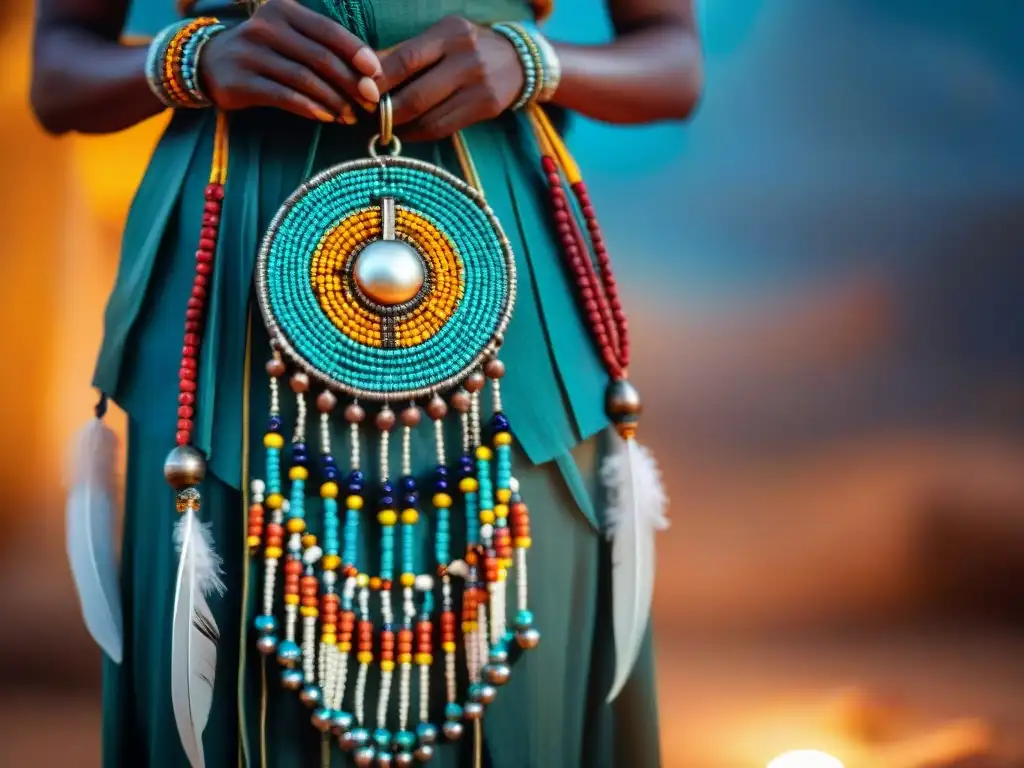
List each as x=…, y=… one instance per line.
x=263, y=715
x=552, y=144
x=478, y=745
x=469, y=171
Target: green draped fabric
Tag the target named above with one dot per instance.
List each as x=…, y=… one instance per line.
x=553, y=713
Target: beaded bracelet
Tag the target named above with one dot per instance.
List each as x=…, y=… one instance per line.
x=541, y=67
x=172, y=64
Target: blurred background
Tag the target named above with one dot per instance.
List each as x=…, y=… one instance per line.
x=823, y=271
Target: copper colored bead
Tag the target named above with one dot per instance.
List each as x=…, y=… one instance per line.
x=460, y=401
x=354, y=414
x=494, y=369
x=385, y=419
x=300, y=382
x=475, y=382
x=437, y=408
x=326, y=401
x=411, y=416
x=276, y=367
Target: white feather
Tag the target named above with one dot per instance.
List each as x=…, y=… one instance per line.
x=91, y=508
x=194, y=634
x=636, y=511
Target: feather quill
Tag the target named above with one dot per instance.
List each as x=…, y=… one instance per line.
x=636, y=511
x=194, y=634
x=90, y=517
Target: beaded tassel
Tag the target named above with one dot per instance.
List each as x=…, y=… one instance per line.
x=500, y=554
x=327, y=674
x=387, y=517
x=273, y=442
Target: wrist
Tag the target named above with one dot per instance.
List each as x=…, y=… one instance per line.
x=172, y=64
x=541, y=69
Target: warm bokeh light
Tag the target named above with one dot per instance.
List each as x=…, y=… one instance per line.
x=805, y=758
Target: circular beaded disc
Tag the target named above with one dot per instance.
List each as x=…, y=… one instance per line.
x=319, y=316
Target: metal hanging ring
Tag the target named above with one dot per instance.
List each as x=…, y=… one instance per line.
x=394, y=147
x=386, y=120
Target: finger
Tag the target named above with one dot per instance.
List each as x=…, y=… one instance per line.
x=303, y=80
x=273, y=94
x=314, y=56
x=411, y=57
x=467, y=107
x=415, y=99
x=334, y=37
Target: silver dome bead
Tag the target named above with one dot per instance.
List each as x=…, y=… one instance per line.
x=311, y=695
x=497, y=673
x=383, y=760
x=452, y=730
x=622, y=400
x=184, y=466
x=341, y=722
x=389, y=272
x=404, y=760
x=528, y=638
x=322, y=719
x=266, y=645
x=486, y=693
x=347, y=741
x=473, y=710
x=363, y=757
x=291, y=680
x=424, y=752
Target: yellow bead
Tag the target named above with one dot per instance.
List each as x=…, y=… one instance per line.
x=522, y=543
x=327, y=629
x=405, y=658
x=501, y=511
x=273, y=552
x=345, y=646
x=296, y=525
x=354, y=502
x=329, y=639
x=468, y=626
x=291, y=599
x=387, y=517
x=424, y=659
x=364, y=657
x=329, y=490
x=273, y=440
x=442, y=500
x=408, y=579
x=298, y=473
x=309, y=540
x=410, y=516
x=253, y=541
x=308, y=610
x=503, y=438
x=468, y=484
x=448, y=647
x=502, y=574
x=331, y=562
x=484, y=453
x=275, y=500
x=486, y=516
x=387, y=666
x=504, y=495
x=362, y=580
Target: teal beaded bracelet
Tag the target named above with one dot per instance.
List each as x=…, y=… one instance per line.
x=172, y=62
x=533, y=76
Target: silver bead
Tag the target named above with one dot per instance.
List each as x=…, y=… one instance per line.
x=311, y=695
x=528, y=638
x=473, y=710
x=347, y=741
x=486, y=693
x=184, y=466
x=266, y=645
x=498, y=674
x=622, y=400
x=322, y=719
x=424, y=752
x=404, y=760
x=363, y=757
x=291, y=680
x=383, y=760
x=341, y=722
x=498, y=656
x=389, y=272
x=452, y=730
x=426, y=733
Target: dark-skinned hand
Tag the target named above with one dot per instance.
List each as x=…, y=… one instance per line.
x=292, y=58
x=455, y=74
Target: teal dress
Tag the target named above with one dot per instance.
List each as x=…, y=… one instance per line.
x=553, y=711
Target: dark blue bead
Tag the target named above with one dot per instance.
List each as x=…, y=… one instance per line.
x=388, y=628
x=355, y=487
x=355, y=476
x=329, y=460
x=441, y=471
x=387, y=487
x=410, y=499
x=386, y=502
x=500, y=422
x=441, y=485
x=275, y=423
x=330, y=473
x=408, y=483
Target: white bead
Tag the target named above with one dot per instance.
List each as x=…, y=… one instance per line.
x=258, y=487
x=458, y=568
x=486, y=531
x=312, y=555
x=330, y=578
x=424, y=582
x=513, y=485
